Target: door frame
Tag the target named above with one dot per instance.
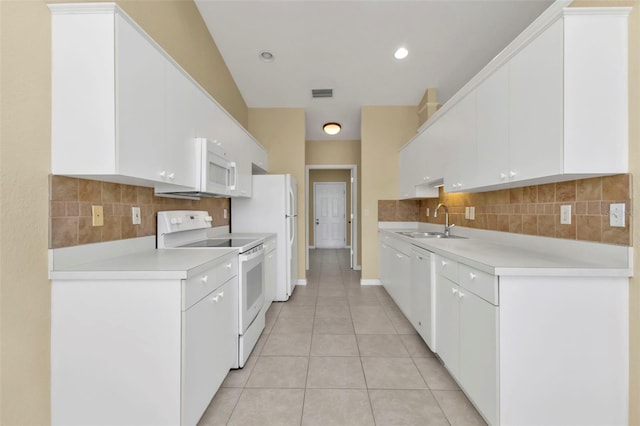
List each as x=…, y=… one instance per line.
x=354, y=207
x=343, y=185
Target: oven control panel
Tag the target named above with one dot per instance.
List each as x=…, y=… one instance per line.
x=182, y=220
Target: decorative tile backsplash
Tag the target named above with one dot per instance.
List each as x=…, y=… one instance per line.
x=533, y=210
x=70, y=202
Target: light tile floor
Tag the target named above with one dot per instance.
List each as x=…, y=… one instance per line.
x=338, y=353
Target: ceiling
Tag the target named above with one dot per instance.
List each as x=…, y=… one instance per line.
x=348, y=46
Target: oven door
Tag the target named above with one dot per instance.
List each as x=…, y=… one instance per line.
x=251, y=297
x=218, y=174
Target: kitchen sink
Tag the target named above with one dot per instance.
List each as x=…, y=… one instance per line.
x=415, y=234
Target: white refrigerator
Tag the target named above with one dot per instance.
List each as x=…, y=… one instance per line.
x=273, y=209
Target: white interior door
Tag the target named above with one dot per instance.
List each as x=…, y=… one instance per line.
x=330, y=217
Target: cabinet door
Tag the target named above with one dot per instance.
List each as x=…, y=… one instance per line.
x=421, y=295
x=447, y=323
x=401, y=277
x=386, y=254
x=460, y=145
x=492, y=100
x=209, y=341
x=179, y=128
x=270, y=275
x=479, y=353
x=407, y=169
x=140, y=95
x=536, y=107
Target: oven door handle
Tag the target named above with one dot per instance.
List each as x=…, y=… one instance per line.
x=252, y=256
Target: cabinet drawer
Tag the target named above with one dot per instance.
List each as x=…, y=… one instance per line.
x=447, y=268
x=199, y=285
x=480, y=283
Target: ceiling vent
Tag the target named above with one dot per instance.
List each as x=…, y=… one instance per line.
x=322, y=93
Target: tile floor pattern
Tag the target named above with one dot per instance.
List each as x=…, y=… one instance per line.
x=338, y=353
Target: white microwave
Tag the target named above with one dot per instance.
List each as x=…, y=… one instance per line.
x=216, y=176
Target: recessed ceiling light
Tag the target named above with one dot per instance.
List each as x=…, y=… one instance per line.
x=331, y=128
x=266, y=56
x=401, y=53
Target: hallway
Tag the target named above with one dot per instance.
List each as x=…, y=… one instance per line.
x=338, y=353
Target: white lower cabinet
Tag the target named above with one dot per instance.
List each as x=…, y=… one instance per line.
x=142, y=351
x=397, y=264
x=270, y=271
x=208, y=349
x=467, y=331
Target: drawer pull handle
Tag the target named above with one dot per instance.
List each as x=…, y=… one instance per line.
x=460, y=295
x=215, y=298
x=399, y=256
x=472, y=275
x=444, y=263
x=221, y=294
x=205, y=278
x=454, y=291
x=229, y=265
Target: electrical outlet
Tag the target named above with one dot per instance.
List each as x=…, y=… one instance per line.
x=135, y=215
x=466, y=213
x=97, y=216
x=224, y=213
x=565, y=215
x=427, y=211
x=472, y=213
x=616, y=215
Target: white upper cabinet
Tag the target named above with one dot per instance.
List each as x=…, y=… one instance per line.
x=460, y=149
x=124, y=111
x=140, y=71
x=536, y=107
x=551, y=107
x=492, y=129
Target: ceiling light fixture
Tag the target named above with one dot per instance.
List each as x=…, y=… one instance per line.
x=401, y=53
x=266, y=56
x=332, y=128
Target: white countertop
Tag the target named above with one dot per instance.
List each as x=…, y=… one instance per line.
x=518, y=255
x=110, y=261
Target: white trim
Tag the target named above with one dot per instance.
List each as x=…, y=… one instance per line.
x=302, y=281
x=370, y=282
x=311, y=248
x=357, y=268
x=354, y=205
x=85, y=8
x=343, y=186
x=599, y=11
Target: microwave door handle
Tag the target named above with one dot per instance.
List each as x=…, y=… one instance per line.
x=234, y=167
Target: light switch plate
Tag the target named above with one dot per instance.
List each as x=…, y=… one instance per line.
x=135, y=215
x=472, y=213
x=565, y=215
x=467, y=213
x=224, y=213
x=616, y=215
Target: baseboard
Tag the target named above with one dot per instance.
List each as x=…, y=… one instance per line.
x=370, y=282
x=302, y=282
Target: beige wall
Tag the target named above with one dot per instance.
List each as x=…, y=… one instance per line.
x=343, y=152
x=25, y=139
x=329, y=175
x=282, y=131
x=384, y=131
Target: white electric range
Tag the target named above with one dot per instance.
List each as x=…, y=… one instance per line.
x=191, y=230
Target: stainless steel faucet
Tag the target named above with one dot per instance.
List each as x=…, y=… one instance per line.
x=447, y=227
